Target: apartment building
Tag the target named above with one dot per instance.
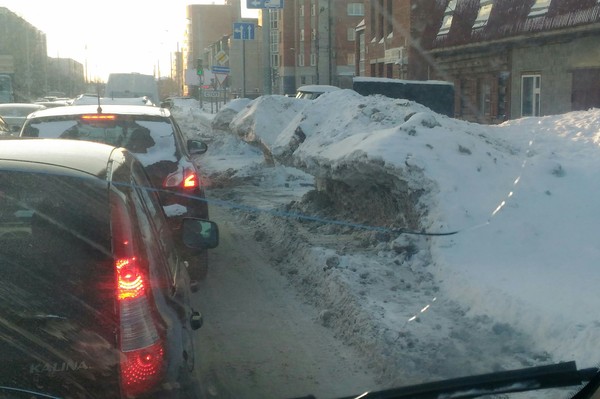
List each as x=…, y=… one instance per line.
x=313, y=42
x=25, y=47
x=206, y=24
x=393, y=38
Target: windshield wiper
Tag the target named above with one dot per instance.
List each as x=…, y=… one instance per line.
x=528, y=379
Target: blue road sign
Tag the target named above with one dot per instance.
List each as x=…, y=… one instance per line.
x=243, y=31
x=264, y=3
x=220, y=69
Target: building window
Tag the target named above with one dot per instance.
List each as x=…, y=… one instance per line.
x=373, y=22
x=530, y=95
x=389, y=27
x=485, y=97
x=351, y=34
x=275, y=41
x=301, y=11
x=274, y=18
x=380, y=20
x=485, y=8
x=313, y=59
x=447, y=22
x=351, y=59
x=313, y=34
x=539, y=8
x=585, y=89
x=503, y=83
x=356, y=9
x=301, y=35
x=300, y=59
x=313, y=9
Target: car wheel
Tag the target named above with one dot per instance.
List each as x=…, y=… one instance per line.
x=198, y=266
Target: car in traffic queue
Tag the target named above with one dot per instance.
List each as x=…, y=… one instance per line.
x=14, y=114
x=311, y=92
x=96, y=300
x=4, y=128
x=153, y=135
x=92, y=99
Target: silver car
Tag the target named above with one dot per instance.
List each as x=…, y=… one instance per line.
x=14, y=114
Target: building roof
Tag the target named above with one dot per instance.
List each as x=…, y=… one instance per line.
x=512, y=18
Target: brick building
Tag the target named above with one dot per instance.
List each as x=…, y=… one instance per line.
x=514, y=58
x=393, y=38
x=506, y=58
x=312, y=42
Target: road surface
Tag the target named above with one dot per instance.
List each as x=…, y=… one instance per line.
x=259, y=340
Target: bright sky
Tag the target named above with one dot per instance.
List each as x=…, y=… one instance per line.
x=109, y=35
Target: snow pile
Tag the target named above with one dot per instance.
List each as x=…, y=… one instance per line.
x=260, y=122
x=502, y=224
x=224, y=117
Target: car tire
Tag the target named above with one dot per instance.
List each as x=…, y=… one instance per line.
x=198, y=266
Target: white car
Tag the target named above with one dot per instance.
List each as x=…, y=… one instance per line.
x=310, y=92
x=90, y=99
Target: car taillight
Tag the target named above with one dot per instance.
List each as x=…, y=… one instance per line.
x=143, y=352
x=182, y=178
x=98, y=117
x=141, y=369
x=130, y=283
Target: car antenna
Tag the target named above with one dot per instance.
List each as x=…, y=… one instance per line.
x=99, y=110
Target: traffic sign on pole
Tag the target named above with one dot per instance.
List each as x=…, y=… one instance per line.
x=264, y=4
x=220, y=69
x=243, y=30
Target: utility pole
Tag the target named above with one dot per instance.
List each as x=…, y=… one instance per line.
x=267, y=78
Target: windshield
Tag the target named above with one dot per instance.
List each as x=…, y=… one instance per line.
x=406, y=190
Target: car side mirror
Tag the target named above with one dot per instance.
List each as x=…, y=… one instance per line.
x=196, y=147
x=200, y=234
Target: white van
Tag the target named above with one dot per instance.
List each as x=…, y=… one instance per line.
x=132, y=85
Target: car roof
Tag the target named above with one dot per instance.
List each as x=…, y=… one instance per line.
x=22, y=105
x=318, y=88
x=85, y=156
x=85, y=99
x=106, y=109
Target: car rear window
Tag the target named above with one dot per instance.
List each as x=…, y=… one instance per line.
x=151, y=138
x=54, y=244
x=57, y=291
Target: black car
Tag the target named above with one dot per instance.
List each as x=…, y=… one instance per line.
x=153, y=135
x=95, y=299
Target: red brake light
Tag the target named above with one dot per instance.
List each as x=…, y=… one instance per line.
x=184, y=178
x=130, y=282
x=191, y=181
x=99, y=117
x=142, y=368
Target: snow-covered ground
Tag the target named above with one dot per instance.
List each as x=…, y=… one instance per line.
x=429, y=238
